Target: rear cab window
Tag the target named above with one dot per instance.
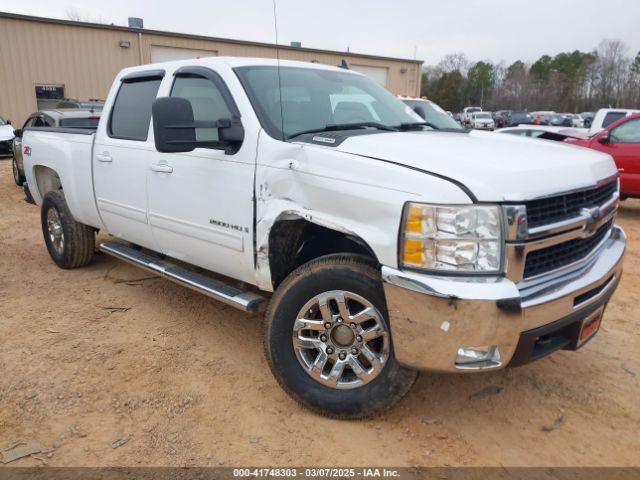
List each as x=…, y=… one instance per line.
x=91, y=122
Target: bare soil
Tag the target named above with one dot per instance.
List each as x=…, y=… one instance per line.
x=113, y=368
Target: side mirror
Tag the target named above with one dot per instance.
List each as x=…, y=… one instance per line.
x=420, y=111
x=8, y=122
x=605, y=138
x=169, y=114
x=175, y=128
x=17, y=132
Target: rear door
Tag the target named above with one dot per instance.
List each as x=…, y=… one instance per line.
x=122, y=154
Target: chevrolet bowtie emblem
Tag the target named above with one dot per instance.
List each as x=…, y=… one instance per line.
x=592, y=216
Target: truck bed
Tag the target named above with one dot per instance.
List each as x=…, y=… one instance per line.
x=68, y=151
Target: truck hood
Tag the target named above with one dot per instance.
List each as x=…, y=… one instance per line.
x=495, y=167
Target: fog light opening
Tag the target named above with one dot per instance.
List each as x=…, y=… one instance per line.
x=475, y=358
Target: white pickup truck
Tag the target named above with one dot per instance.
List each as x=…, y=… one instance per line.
x=381, y=245
x=467, y=115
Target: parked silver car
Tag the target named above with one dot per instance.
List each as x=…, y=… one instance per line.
x=62, y=118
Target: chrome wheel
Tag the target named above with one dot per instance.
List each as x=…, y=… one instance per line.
x=341, y=339
x=56, y=233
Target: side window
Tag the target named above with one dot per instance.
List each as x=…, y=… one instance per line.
x=612, y=117
x=628, y=132
x=206, y=100
x=131, y=113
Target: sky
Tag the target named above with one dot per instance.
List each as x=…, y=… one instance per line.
x=496, y=30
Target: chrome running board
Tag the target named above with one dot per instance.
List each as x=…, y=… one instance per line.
x=216, y=289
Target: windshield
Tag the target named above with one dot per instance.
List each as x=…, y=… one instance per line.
x=433, y=113
x=520, y=116
x=482, y=115
x=91, y=122
x=473, y=110
x=2, y=121
x=307, y=98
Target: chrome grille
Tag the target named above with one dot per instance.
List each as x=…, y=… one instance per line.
x=546, y=211
x=563, y=254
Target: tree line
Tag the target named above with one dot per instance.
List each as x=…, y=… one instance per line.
x=568, y=82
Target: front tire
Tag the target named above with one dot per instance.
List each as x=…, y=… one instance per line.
x=17, y=176
x=327, y=339
x=70, y=244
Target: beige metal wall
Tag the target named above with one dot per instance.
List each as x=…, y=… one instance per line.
x=85, y=59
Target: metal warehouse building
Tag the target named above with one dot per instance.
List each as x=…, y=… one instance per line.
x=45, y=59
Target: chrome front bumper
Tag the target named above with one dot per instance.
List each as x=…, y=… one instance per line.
x=432, y=317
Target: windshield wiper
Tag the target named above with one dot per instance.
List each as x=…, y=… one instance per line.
x=344, y=126
x=405, y=127
x=411, y=126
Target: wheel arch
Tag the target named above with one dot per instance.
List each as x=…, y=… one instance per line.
x=294, y=240
x=47, y=180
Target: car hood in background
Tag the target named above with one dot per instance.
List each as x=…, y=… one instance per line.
x=6, y=132
x=495, y=167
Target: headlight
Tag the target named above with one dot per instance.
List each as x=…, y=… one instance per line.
x=452, y=239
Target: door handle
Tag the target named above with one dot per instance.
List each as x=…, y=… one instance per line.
x=104, y=157
x=162, y=168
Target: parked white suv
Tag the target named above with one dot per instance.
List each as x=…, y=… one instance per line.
x=379, y=245
x=482, y=121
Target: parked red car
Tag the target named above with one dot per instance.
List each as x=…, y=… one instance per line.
x=621, y=140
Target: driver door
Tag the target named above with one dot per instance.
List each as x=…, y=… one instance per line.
x=624, y=146
x=201, y=202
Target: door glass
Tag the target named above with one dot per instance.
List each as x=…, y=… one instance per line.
x=131, y=112
x=207, y=103
x=628, y=132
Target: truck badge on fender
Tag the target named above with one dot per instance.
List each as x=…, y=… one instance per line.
x=238, y=228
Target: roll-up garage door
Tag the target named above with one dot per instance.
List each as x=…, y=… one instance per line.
x=166, y=54
x=377, y=74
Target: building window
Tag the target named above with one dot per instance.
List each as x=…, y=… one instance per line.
x=48, y=96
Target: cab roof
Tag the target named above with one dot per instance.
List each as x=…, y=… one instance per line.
x=234, y=62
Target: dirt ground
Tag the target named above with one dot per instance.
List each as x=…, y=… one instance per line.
x=103, y=353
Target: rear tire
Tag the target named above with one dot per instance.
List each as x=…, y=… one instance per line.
x=353, y=393
x=70, y=244
x=17, y=176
